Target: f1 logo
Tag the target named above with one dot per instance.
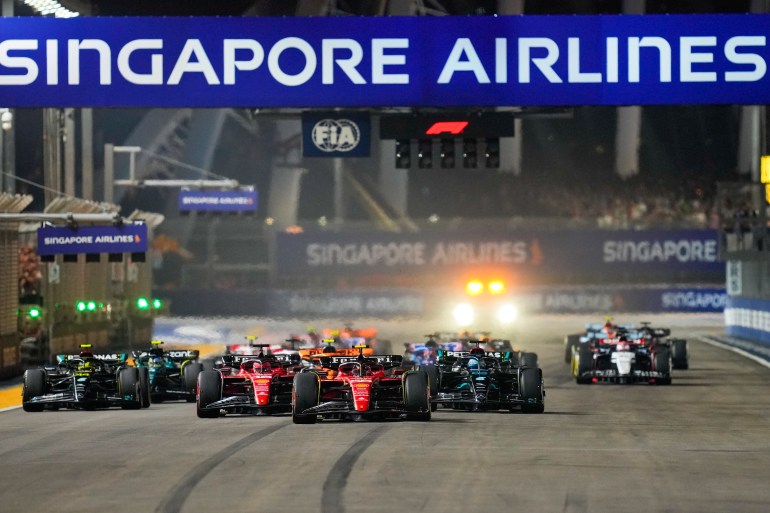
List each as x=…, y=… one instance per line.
x=443, y=127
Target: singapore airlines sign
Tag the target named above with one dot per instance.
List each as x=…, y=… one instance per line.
x=384, y=61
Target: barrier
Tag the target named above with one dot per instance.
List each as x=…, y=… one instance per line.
x=407, y=302
x=748, y=318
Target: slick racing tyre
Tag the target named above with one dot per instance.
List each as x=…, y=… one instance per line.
x=680, y=357
x=528, y=359
x=570, y=343
x=417, y=396
x=584, y=362
x=128, y=388
x=34, y=385
x=306, y=391
x=209, y=391
x=144, y=386
x=191, y=371
x=661, y=362
x=433, y=382
x=531, y=390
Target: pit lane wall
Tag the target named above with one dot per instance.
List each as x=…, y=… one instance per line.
x=412, y=303
x=748, y=318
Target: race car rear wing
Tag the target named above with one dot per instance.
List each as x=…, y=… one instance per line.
x=104, y=357
x=332, y=362
x=231, y=360
x=176, y=355
x=450, y=356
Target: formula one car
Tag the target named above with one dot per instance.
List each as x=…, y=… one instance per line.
x=362, y=387
x=487, y=380
x=426, y=353
x=622, y=358
x=85, y=381
x=680, y=357
x=171, y=374
x=248, y=384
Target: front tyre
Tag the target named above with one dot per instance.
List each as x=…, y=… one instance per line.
x=128, y=388
x=34, y=386
x=680, y=357
x=144, y=386
x=305, y=393
x=570, y=343
x=583, y=365
x=661, y=362
x=191, y=371
x=417, y=396
x=531, y=390
x=209, y=391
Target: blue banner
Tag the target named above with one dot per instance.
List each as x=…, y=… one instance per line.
x=335, y=134
x=613, y=251
x=128, y=238
x=384, y=61
x=218, y=201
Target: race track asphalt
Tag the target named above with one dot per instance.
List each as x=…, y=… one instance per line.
x=700, y=445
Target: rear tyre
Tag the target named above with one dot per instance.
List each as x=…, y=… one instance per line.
x=531, y=390
x=528, y=360
x=584, y=361
x=144, y=386
x=661, y=362
x=191, y=371
x=417, y=396
x=570, y=343
x=433, y=379
x=680, y=357
x=34, y=386
x=306, y=391
x=128, y=388
x=209, y=391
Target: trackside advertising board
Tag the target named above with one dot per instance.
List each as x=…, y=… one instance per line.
x=565, y=250
x=218, y=201
x=384, y=61
x=129, y=238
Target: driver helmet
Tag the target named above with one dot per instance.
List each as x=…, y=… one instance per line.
x=473, y=363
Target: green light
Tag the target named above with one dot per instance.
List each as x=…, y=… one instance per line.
x=80, y=306
x=157, y=304
x=34, y=313
x=91, y=306
x=142, y=303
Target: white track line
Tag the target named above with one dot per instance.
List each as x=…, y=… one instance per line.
x=9, y=408
x=736, y=350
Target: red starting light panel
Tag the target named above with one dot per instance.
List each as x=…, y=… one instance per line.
x=443, y=125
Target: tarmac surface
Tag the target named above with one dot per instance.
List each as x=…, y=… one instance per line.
x=699, y=445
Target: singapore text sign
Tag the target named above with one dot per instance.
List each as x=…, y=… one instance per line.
x=384, y=61
x=129, y=238
x=548, y=251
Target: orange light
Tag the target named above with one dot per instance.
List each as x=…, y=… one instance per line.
x=474, y=287
x=496, y=287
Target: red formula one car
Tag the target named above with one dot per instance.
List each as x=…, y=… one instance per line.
x=255, y=384
x=360, y=387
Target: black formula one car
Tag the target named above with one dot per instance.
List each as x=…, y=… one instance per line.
x=84, y=381
x=171, y=374
x=487, y=380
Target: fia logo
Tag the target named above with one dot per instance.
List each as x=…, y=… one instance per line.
x=336, y=135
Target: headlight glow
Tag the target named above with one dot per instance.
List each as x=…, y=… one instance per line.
x=507, y=313
x=474, y=288
x=496, y=287
x=463, y=314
